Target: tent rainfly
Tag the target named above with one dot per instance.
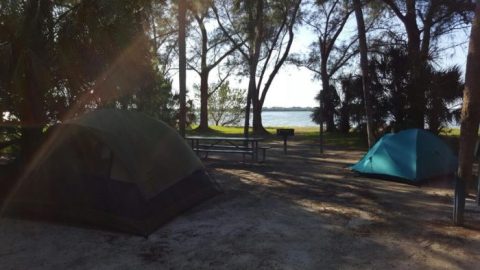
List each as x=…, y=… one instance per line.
x=413, y=155
x=115, y=169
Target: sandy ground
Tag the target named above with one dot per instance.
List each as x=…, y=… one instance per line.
x=303, y=210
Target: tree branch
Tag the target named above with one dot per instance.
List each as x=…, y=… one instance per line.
x=395, y=10
x=284, y=57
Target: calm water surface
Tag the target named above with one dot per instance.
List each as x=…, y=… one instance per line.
x=297, y=119
x=287, y=119
x=283, y=119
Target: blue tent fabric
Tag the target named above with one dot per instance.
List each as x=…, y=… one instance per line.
x=412, y=154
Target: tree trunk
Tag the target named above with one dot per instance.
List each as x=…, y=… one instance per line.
x=416, y=95
x=327, y=113
x=258, y=128
x=31, y=112
x=330, y=122
x=321, y=121
x=203, y=101
x=257, y=109
x=251, y=86
x=257, y=124
x=30, y=142
x=362, y=39
x=256, y=38
x=204, y=73
x=182, y=66
x=31, y=51
x=415, y=115
x=325, y=84
x=471, y=107
x=259, y=101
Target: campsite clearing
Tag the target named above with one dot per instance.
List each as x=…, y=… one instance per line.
x=297, y=211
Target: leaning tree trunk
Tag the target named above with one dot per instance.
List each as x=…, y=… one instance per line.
x=362, y=39
x=470, y=112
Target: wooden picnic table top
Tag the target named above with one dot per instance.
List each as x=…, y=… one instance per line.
x=226, y=138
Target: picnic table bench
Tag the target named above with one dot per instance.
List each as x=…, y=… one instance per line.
x=234, y=145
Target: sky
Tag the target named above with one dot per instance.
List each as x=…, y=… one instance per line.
x=296, y=87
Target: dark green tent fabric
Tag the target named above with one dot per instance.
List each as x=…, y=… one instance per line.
x=144, y=146
x=412, y=155
x=117, y=169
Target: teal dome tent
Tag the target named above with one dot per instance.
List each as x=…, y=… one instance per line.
x=413, y=155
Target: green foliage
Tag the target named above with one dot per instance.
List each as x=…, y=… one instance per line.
x=444, y=94
x=174, y=106
x=62, y=58
x=352, y=110
x=351, y=102
x=26, y=50
x=442, y=89
x=105, y=54
x=84, y=55
x=156, y=101
x=390, y=87
x=330, y=101
x=226, y=105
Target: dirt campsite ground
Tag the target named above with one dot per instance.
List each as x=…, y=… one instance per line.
x=303, y=210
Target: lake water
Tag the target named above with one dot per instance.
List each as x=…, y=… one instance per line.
x=287, y=119
x=284, y=119
x=297, y=119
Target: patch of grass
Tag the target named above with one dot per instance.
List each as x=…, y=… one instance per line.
x=452, y=137
x=351, y=140
x=451, y=132
x=218, y=131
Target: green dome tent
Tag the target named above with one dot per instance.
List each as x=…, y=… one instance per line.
x=413, y=155
x=117, y=169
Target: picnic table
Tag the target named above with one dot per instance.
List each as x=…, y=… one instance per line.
x=218, y=144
